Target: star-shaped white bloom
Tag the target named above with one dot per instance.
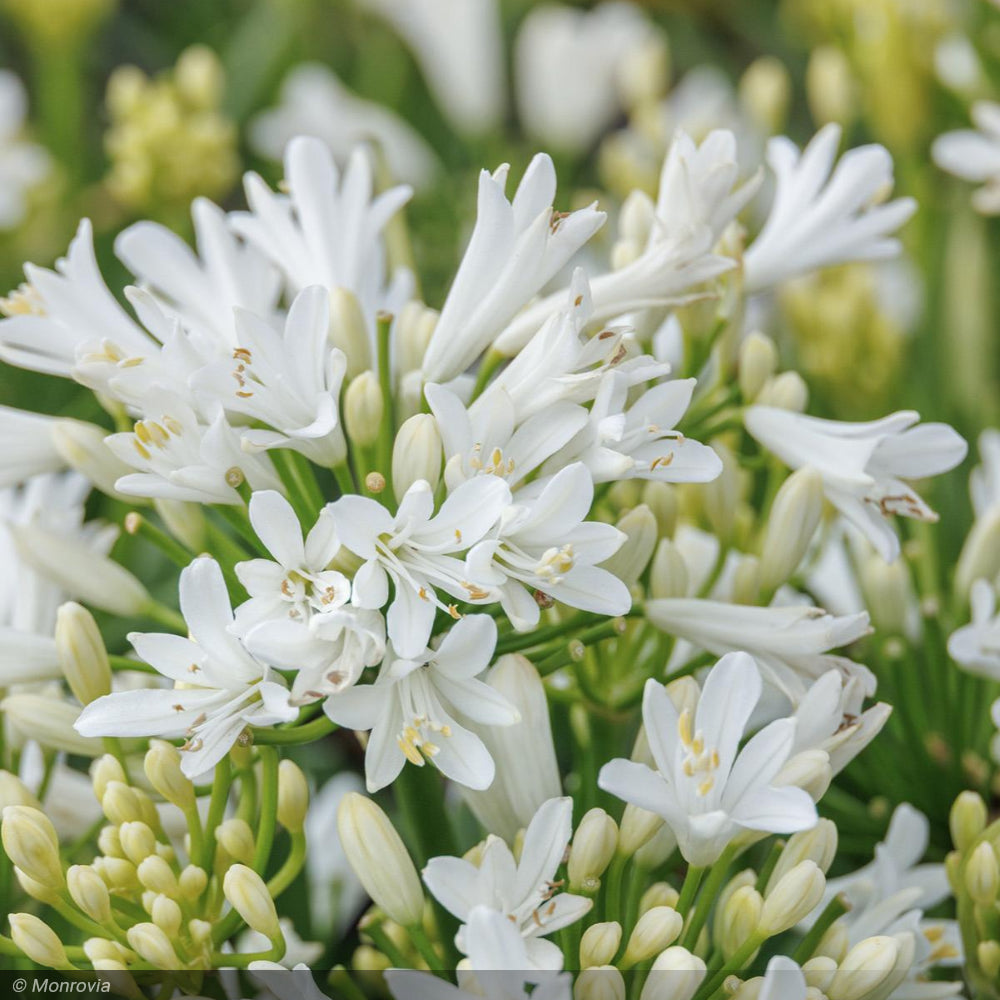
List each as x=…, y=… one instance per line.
x=863, y=465
x=220, y=689
x=411, y=708
x=976, y=646
x=974, y=155
x=706, y=789
x=524, y=891
x=415, y=549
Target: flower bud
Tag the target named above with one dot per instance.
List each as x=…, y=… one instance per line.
x=166, y=914
x=80, y=570
x=49, y=721
x=184, y=520
x=156, y=875
x=116, y=872
x=791, y=525
x=162, y=765
x=103, y=771
x=82, y=654
x=809, y=770
x=369, y=959
x=644, y=77
x=738, y=919
x=602, y=983
x=192, y=882
x=593, y=848
x=980, y=556
x=819, y=972
x=121, y=804
x=818, y=844
x=414, y=329
x=236, y=839
x=661, y=499
x=82, y=448
x=721, y=497
x=655, y=930
x=89, y=892
x=98, y=949
x=600, y=943
x=967, y=819
x=293, y=796
x=676, y=974
x=835, y=943
x=137, y=841
x=889, y=592
x=765, y=91
x=248, y=895
x=152, y=945
x=787, y=391
x=657, y=849
x=35, y=889
x=348, y=330
x=668, y=576
x=864, y=968
x=38, y=941
x=982, y=875
x=830, y=86
x=746, y=580
x=659, y=894
x=416, y=454
x=988, y=954
x=629, y=562
x=363, y=409
x=14, y=792
x=638, y=826
x=31, y=843
x=380, y=859
x=795, y=895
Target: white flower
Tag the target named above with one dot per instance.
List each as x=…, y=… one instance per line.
x=863, y=465
x=516, y=248
x=976, y=646
x=23, y=165
x=524, y=891
x=974, y=155
x=783, y=980
x=706, y=789
x=314, y=102
x=416, y=550
x=824, y=215
x=27, y=446
x=791, y=644
x=289, y=382
x=411, y=709
x=984, y=480
x=220, y=688
x=545, y=544
x=458, y=45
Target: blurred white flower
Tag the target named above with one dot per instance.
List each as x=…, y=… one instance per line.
x=27, y=446
x=976, y=646
x=974, y=155
x=23, y=164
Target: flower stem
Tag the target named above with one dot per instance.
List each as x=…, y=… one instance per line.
x=709, y=893
x=423, y=944
x=288, y=872
x=387, y=430
x=268, y=808
x=216, y=810
x=165, y=616
x=691, y=882
x=307, y=733
x=837, y=907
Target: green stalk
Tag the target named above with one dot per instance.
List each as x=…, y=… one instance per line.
x=709, y=893
x=288, y=872
x=216, y=810
x=387, y=429
x=688, y=890
x=268, y=808
x=836, y=908
x=308, y=733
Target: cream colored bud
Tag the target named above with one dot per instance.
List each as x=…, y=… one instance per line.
x=380, y=859
x=116, y=872
x=638, y=213
x=166, y=914
x=162, y=765
x=830, y=87
x=89, y=892
x=38, y=941
x=103, y=771
x=157, y=876
x=184, y=520
x=152, y=944
x=655, y=930
x=80, y=570
x=637, y=827
x=121, y=803
x=363, y=409
x=758, y=361
x=787, y=391
x=81, y=446
x=864, y=968
x=236, y=839
x=657, y=849
x=200, y=931
x=746, y=580
x=49, y=721
x=108, y=842
x=31, y=843
x=248, y=895
x=721, y=497
x=818, y=844
x=14, y=792
x=676, y=974
x=980, y=556
x=809, y=770
x=601, y=983
x=659, y=894
x=593, y=848
x=819, y=972
x=98, y=949
x=765, y=91
x=416, y=454
x=192, y=882
x=641, y=531
x=82, y=654
x=199, y=77
x=369, y=959
x=668, y=576
x=414, y=329
x=982, y=875
x=889, y=592
x=738, y=919
x=35, y=889
x=747, y=877
x=293, y=796
x=661, y=499
x=835, y=943
x=137, y=841
x=791, y=525
x=349, y=331
x=600, y=943
x=988, y=954
x=967, y=819
x=794, y=896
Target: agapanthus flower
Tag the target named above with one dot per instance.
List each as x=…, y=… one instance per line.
x=974, y=155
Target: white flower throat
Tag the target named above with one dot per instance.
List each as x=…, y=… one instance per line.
x=699, y=762
x=420, y=710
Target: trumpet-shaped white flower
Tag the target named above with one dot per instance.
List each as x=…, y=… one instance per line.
x=289, y=381
x=411, y=709
x=974, y=155
x=863, y=465
x=976, y=646
x=706, y=789
x=23, y=165
x=545, y=545
x=27, y=446
x=220, y=689
x=824, y=214
x=524, y=891
x=783, y=980
x=416, y=549
x=313, y=101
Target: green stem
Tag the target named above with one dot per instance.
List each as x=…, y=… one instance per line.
x=423, y=944
x=216, y=810
x=489, y=364
x=736, y=964
x=691, y=882
x=268, y=808
x=709, y=893
x=613, y=890
x=345, y=481
x=836, y=908
x=385, y=944
x=137, y=524
x=127, y=663
x=288, y=872
x=165, y=616
x=387, y=429
x=307, y=733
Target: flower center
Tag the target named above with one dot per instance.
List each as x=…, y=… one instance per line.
x=700, y=761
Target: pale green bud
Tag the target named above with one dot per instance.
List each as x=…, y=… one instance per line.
x=830, y=87
x=380, y=859
x=49, y=721
x=157, y=876
x=889, y=593
x=982, y=875
x=655, y=930
x=644, y=76
x=738, y=919
x=640, y=529
x=35, y=889
x=349, y=332
x=819, y=972
x=593, y=848
x=82, y=654
x=414, y=329
x=248, y=895
x=14, y=792
x=980, y=556
x=192, y=882
x=108, y=842
x=791, y=525
x=661, y=499
x=184, y=520
x=967, y=819
x=89, y=892
x=121, y=804
x=416, y=454
x=864, y=968
x=162, y=765
x=200, y=931
x=637, y=827
x=676, y=974
x=988, y=954
x=363, y=409
x=668, y=576
x=153, y=945
x=659, y=894
x=794, y=896
x=199, y=77
x=746, y=580
x=293, y=796
x=116, y=872
x=102, y=949
x=765, y=91
x=809, y=770
x=82, y=448
x=166, y=914
x=787, y=391
x=600, y=943
x=31, y=843
x=758, y=361
x=835, y=943
x=236, y=839
x=602, y=983
x=138, y=841
x=38, y=941
x=818, y=844
x=721, y=497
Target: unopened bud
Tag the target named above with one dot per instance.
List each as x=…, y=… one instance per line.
x=416, y=454
x=668, y=576
x=818, y=844
x=363, y=409
x=637, y=827
x=757, y=363
x=184, y=520
x=601, y=983
x=156, y=875
x=640, y=529
x=117, y=872
x=593, y=848
x=35, y=889
x=137, y=841
x=864, y=968
x=38, y=941
x=988, y=954
x=765, y=91
x=152, y=944
x=49, y=721
x=121, y=803
x=739, y=919
x=795, y=895
x=103, y=771
x=82, y=654
x=192, y=882
x=655, y=930
x=162, y=765
x=89, y=892
x=980, y=556
x=659, y=894
x=236, y=839
x=380, y=859
x=746, y=580
x=676, y=974
x=791, y=525
x=982, y=875
x=248, y=895
x=889, y=592
x=787, y=391
x=809, y=770
x=82, y=448
x=721, y=496
x=293, y=796
x=14, y=792
x=349, y=332
x=414, y=329
x=967, y=819
x=31, y=843
x=657, y=849
x=166, y=914
x=661, y=499
x=600, y=943
x=830, y=86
